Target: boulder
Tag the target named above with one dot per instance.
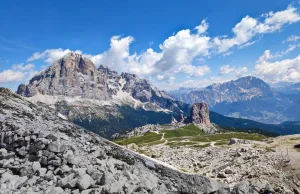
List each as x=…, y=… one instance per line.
x=36, y=166
x=56, y=147
x=85, y=182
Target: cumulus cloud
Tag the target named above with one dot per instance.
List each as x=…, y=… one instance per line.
x=181, y=49
x=249, y=27
x=267, y=54
x=202, y=27
x=8, y=76
x=51, y=55
x=191, y=70
x=285, y=70
x=226, y=69
x=19, y=72
x=241, y=71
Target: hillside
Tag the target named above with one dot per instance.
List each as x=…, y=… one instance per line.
x=43, y=153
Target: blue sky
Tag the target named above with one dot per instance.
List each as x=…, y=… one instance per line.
x=171, y=43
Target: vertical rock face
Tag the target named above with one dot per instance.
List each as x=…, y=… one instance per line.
x=73, y=75
x=200, y=114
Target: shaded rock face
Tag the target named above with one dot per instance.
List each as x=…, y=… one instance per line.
x=200, y=114
x=42, y=153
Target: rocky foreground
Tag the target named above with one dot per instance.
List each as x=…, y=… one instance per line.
x=270, y=165
x=43, y=153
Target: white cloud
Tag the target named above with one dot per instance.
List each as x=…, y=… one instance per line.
x=241, y=71
x=8, y=76
x=247, y=44
x=23, y=67
x=275, y=21
x=292, y=38
x=267, y=54
x=286, y=70
x=18, y=73
x=226, y=69
x=282, y=53
x=191, y=70
x=191, y=83
x=202, y=27
x=51, y=55
x=249, y=27
x=181, y=49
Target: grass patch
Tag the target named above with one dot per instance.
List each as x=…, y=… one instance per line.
x=183, y=170
x=295, y=138
x=148, y=137
x=227, y=136
x=189, y=130
x=221, y=143
x=177, y=144
x=154, y=143
x=270, y=149
x=201, y=145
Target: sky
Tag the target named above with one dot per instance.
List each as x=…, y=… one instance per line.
x=171, y=43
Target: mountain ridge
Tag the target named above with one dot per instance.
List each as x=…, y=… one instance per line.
x=247, y=97
x=97, y=97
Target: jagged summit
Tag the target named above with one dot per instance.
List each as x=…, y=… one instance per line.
x=76, y=76
x=242, y=89
x=72, y=75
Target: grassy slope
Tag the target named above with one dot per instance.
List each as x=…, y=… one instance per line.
x=189, y=135
x=148, y=137
x=189, y=130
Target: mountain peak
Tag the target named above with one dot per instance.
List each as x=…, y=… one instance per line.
x=72, y=75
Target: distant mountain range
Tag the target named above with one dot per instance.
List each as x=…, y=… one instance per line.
x=248, y=97
x=100, y=99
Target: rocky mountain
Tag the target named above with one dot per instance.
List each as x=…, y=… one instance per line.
x=40, y=152
x=247, y=97
x=99, y=99
x=291, y=89
x=242, y=89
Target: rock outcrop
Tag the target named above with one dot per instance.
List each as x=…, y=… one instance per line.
x=200, y=114
x=43, y=153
